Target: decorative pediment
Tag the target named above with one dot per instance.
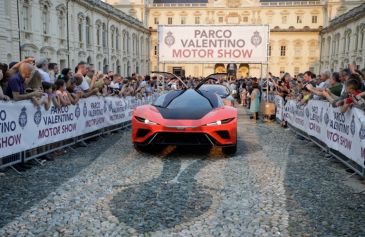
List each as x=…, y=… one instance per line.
x=233, y=3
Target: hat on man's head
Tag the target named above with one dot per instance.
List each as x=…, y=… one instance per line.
x=40, y=62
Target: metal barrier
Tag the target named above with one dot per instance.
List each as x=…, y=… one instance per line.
x=333, y=153
x=37, y=152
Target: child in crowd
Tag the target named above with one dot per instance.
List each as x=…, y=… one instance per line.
x=61, y=92
x=49, y=89
x=306, y=96
x=353, y=89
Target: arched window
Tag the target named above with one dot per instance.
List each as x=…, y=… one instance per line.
x=104, y=35
x=117, y=38
x=80, y=27
x=124, y=40
x=98, y=32
x=348, y=41
x=362, y=39
x=112, y=34
x=127, y=43
x=61, y=21
x=26, y=15
x=45, y=19
x=87, y=31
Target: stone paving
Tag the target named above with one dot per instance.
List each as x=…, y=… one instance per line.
x=276, y=185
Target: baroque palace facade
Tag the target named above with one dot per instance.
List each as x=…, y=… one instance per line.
x=343, y=41
x=294, y=28
x=69, y=31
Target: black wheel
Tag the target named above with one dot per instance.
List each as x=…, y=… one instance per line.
x=230, y=150
x=141, y=148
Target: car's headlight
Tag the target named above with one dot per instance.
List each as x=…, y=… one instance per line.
x=145, y=121
x=220, y=122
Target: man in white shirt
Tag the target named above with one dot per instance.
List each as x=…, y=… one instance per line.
x=42, y=68
x=82, y=69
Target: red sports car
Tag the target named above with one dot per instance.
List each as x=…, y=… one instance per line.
x=186, y=117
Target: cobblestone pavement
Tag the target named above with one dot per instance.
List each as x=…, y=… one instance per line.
x=276, y=185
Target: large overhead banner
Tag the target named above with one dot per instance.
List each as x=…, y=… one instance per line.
x=213, y=44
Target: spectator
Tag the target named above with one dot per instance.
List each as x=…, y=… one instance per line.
x=53, y=71
x=48, y=91
x=2, y=84
x=335, y=88
x=324, y=83
x=79, y=88
x=61, y=92
x=66, y=74
x=17, y=84
x=255, y=103
x=352, y=88
x=82, y=70
x=42, y=68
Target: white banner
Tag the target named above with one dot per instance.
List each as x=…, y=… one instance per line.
x=213, y=44
x=24, y=126
x=343, y=132
x=279, y=105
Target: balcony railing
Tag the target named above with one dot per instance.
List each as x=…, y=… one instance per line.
x=292, y=3
x=178, y=5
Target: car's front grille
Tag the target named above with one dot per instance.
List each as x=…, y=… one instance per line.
x=189, y=139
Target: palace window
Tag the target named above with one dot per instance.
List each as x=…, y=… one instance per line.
x=269, y=50
x=284, y=19
x=112, y=36
x=104, y=35
x=169, y=20
x=87, y=31
x=220, y=19
x=197, y=20
x=45, y=19
x=299, y=19
x=80, y=29
x=245, y=19
x=26, y=15
x=98, y=35
x=117, y=39
x=283, y=50
x=61, y=23
x=155, y=51
x=183, y=20
x=314, y=19
x=155, y=20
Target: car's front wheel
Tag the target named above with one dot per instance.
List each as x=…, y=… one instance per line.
x=141, y=148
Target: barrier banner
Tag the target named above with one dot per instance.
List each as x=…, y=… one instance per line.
x=24, y=126
x=279, y=104
x=343, y=132
x=213, y=43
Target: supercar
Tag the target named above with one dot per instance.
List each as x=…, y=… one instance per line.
x=191, y=117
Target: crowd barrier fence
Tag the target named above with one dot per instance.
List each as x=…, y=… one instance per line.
x=342, y=135
x=28, y=131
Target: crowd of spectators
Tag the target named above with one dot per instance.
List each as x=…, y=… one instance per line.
x=344, y=89
x=43, y=83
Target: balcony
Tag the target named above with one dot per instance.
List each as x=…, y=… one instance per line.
x=168, y=5
x=291, y=3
